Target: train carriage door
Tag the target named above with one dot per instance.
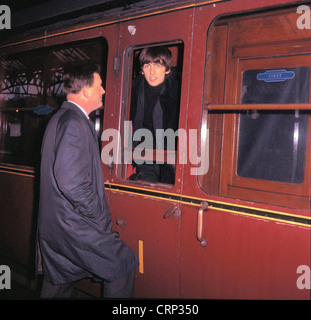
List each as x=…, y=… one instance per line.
x=146, y=183
x=254, y=208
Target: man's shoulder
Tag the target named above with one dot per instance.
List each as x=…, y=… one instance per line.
x=68, y=113
x=174, y=78
x=66, y=118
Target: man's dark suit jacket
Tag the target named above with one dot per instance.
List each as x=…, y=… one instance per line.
x=75, y=225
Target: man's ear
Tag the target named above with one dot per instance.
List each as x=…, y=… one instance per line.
x=168, y=71
x=85, y=92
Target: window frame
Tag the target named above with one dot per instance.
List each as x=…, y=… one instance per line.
x=122, y=169
x=96, y=117
x=224, y=106
x=251, y=183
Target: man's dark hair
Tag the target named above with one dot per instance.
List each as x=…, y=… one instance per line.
x=76, y=77
x=158, y=54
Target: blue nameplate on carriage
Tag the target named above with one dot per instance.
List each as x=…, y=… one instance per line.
x=275, y=75
x=42, y=109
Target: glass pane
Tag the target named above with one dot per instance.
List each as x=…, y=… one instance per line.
x=31, y=91
x=272, y=145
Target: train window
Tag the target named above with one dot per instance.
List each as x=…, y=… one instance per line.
x=152, y=113
x=31, y=90
x=258, y=155
x=272, y=145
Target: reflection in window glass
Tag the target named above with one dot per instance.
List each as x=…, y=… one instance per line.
x=272, y=145
x=31, y=91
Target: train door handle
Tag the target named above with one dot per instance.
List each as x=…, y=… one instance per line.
x=204, y=207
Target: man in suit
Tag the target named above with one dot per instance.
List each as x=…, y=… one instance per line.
x=75, y=226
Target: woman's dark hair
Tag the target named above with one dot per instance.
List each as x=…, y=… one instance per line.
x=76, y=77
x=159, y=54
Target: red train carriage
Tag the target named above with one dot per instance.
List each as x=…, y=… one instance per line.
x=236, y=221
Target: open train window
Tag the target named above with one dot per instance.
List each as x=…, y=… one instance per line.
x=151, y=113
x=258, y=153
x=31, y=91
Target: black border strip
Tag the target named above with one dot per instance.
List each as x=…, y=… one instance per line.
x=213, y=204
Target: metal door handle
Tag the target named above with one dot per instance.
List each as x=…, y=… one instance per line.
x=200, y=238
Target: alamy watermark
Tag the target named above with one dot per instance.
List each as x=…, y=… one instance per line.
x=304, y=280
x=5, y=17
x=5, y=277
x=143, y=150
x=304, y=20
